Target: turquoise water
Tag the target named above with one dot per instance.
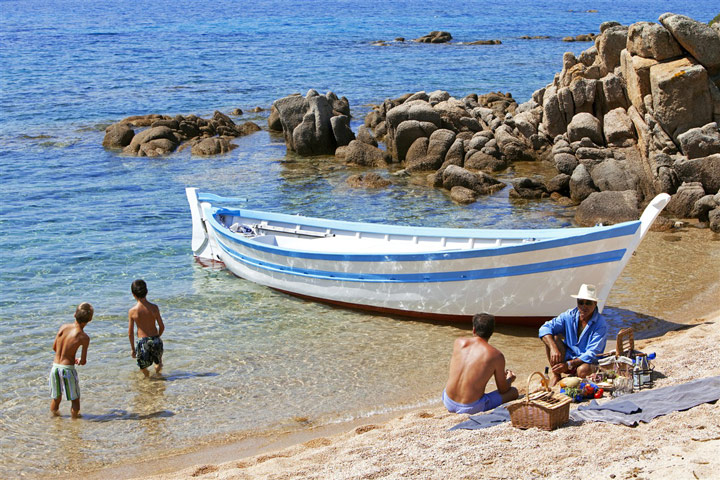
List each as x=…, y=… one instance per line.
x=79, y=223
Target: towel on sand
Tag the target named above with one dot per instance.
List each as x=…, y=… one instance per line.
x=626, y=410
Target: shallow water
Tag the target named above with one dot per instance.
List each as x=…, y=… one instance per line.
x=79, y=223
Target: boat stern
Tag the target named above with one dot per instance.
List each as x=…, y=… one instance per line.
x=202, y=244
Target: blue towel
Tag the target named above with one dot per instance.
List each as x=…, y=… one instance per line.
x=627, y=410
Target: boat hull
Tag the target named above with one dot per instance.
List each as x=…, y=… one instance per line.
x=523, y=277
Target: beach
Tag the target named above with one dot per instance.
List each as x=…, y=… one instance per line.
x=418, y=444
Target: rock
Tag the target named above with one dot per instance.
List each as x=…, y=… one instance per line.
x=581, y=184
x=528, y=188
x=680, y=96
x=247, y=128
x=359, y=153
x=609, y=45
x=238, y=111
x=314, y=135
x=118, y=135
x=583, y=94
x=561, y=199
x=406, y=134
x=651, y=40
x=416, y=156
x=636, y=72
x=612, y=175
x=452, y=112
x=440, y=142
x=274, y=123
x=585, y=125
x=565, y=163
x=611, y=94
x=700, y=142
x=483, y=161
x=478, y=141
x=212, y=146
x=559, y=183
x=341, y=130
x=527, y=122
x=618, y=128
x=484, y=42
x=462, y=195
x=553, y=118
x=435, y=37
x=698, y=38
x=455, y=154
x=705, y=171
x=480, y=183
x=134, y=147
x=365, y=135
x=368, y=180
x=438, y=96
x=702, y=207
x=681, y=204
x=608, y=208
x=512, y=148
x=144, y=120
x=157, y=147
x=714, y=220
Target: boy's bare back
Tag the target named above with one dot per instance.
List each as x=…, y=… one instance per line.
x=146, y=317
x=69, y=338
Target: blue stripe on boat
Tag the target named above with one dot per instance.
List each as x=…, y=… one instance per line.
x=573, y=262
x=592, y=235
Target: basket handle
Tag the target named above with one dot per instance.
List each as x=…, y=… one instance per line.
x=543, y=381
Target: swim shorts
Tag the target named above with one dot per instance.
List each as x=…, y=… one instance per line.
x=149, y=350
x=64, y=378
x=486, y=402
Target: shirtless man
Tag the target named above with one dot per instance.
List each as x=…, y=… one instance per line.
x=472, y=364
x=63, y=376
x=146, y=316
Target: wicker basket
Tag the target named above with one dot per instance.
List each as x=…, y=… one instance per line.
x=543, y=409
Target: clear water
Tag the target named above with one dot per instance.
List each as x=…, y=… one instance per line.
x=79, y=223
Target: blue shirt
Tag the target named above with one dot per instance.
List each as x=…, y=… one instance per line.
x=591, y=341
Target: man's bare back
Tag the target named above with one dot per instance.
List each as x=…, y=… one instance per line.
x=474, y=361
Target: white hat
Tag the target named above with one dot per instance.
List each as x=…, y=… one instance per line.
x=587, y=292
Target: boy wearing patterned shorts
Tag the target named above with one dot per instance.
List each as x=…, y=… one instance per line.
x=146, y=317
x=63, y=376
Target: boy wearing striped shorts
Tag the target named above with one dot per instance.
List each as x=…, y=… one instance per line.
x=63, y=376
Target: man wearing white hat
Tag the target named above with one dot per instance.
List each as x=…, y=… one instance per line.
x=575, y=338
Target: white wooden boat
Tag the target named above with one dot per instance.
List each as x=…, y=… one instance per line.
x=523, y=277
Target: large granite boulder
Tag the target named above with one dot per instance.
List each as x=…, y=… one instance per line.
x=212, y=146
x=613, y=175
x=435, y=37
x=609, y=45
x=680, y=95
x=118, y=135
x=698, y=38
x=581, y=184
x=618, y=128
x=341, y=130
x=482, y=161
x=650, y=40
x=681, y=204
x=705, y=171
x=636, y=72
x=362, y=154
x=585, y=125
x=479, y=182
x=700, y=142
x=408, y=122
x=608, y=208
x=135, y=147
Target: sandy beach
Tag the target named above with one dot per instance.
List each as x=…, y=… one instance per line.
x=418, y=444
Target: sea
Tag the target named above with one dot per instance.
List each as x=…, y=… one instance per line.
x=79, y=222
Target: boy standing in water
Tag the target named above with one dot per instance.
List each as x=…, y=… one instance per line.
x=146, y=316
x=63, y=376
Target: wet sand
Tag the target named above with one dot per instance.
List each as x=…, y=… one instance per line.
x=673, y=277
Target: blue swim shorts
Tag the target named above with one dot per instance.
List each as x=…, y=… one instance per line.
x=149, y=350
x=486, y=402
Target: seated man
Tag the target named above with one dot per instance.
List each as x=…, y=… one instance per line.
x=472, y=364
x=574, y=338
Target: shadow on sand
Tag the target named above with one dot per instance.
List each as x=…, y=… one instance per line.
x=118, y=414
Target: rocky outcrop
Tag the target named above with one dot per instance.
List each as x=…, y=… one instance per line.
x=309, y=124
x=167, y=134
x=435, y=37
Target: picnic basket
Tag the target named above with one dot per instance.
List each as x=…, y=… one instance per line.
x=543, y=409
